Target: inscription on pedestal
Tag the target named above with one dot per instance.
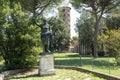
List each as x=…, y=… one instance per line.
x=46, y=65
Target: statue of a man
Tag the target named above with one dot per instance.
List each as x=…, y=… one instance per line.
x=46, y=36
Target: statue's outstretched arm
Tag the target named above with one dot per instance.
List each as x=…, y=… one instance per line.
x=39, y=25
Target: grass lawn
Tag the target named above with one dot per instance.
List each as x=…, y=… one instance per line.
x=73, y=59
x=61, y=74
x=98, y=64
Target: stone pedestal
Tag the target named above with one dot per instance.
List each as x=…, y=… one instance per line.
x=46, y=65
x=1, y=77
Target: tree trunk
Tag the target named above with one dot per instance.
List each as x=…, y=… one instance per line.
x=95, y=42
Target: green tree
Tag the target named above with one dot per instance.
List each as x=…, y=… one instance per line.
x=111, y=38
x=113, y=22
x=112, y=42
x=61, y=38
x=85, y=29
x=19, y=40
x=98, y=8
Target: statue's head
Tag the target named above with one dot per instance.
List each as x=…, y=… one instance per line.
x=44, y=21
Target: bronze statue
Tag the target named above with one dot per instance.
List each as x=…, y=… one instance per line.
x=46, y=36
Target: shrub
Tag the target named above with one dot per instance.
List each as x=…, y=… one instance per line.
x=19, y=40
x=112, y=42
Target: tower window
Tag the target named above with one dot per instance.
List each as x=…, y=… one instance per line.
x=63, y=10
x=64, y=17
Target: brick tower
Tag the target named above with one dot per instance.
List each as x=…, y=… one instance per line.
x=64, y=14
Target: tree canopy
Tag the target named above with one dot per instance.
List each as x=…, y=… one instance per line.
x=84, y=26
x=38, y=6
x=61, y=38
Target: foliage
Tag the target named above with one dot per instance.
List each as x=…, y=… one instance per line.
x=112, y=36
x=61, y=38
x=18, y=39
x=113, y=22
x=112, y=41
x=85, y=29
x=38, y=6
x=98, y=8
x=95, y=5
x=75, y=38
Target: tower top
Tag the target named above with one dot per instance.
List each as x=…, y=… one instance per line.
x=64, y=7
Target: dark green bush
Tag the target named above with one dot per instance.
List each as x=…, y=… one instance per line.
x=19, y=40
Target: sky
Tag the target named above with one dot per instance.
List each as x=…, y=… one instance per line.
x=74, y=16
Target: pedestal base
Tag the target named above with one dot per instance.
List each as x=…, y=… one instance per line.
x=46, y=65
